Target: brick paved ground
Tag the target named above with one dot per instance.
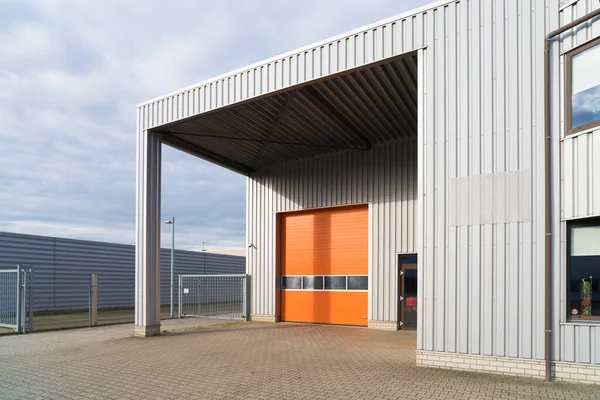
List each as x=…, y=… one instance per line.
x=244, y=361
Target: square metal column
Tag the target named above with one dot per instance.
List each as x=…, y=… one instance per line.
x=147, y=241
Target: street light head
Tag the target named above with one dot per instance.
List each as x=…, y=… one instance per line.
x=168, y=222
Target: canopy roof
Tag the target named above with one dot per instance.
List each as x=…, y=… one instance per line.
x=352, y=110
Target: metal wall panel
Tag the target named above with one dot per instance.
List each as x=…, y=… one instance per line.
x=481, y=111
x=578, y=189
x=62, y=269
x=384, y=177
x=483, y=115
x=497, y=198
x=581, y=182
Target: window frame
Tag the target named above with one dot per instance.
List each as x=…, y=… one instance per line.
x=569, y=89
x=576, y=224
x=303, y=287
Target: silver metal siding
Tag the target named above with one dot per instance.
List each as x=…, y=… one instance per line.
x=481, y=111
x=384, y=177
x=581, y=182
x=62, y=268
x=578, y=191
x=483, y=114
x=482, y=99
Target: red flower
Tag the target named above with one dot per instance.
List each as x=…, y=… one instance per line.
x=585, y=303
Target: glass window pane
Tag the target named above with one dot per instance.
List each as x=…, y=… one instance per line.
x=335, y=282
x=585, y=241
x=584, y=286
x=410, y=282
x=291, y=282
x=358, y=283
x=313, y=282
x=410, y=298
x=409, y=259
x=585, y=87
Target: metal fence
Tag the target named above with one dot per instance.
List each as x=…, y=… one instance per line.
x=214, y=296
x=15, y=299
x=24, y=303
x=71, y=304
x=95, y=303
x=62, y=267
x=9, y=298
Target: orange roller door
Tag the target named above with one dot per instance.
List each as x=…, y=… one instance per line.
x=324, y=243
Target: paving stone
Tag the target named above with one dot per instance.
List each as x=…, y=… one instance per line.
x=245, y=361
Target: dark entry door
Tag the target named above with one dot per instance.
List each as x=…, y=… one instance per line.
x=408, y=303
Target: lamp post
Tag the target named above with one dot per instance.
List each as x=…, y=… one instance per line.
x=172, y=223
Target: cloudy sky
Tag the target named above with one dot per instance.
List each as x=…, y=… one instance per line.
x=71, y=73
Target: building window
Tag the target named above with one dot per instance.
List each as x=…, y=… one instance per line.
x=358, y=283
x=583, y=271
x=583, y=87
x=327, y=282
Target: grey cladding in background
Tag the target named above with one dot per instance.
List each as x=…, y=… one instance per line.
x=62, y=268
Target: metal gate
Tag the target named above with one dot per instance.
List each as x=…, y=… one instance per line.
x=15, y=299
x=213, y=296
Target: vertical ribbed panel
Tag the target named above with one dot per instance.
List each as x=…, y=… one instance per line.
x=482, y=290
x=62, y=269
x=581, y=180
x=384, y=177
x=579, y=191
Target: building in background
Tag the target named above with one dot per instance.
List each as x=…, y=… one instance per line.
x=231, y=252
x=399, y=176
x=62, y=269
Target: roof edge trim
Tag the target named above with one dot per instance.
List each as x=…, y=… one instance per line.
x=290, y=88
x=415, y=11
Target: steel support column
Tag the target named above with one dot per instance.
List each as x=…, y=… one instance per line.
x=147, y=250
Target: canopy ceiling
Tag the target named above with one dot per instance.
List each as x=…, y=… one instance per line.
x=353, y=110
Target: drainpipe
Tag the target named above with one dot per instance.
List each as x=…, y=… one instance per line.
x=548, y=176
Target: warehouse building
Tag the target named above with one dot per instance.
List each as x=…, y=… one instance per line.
x=399, y=177
x=61, y=270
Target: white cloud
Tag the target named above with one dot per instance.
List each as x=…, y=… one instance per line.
x=71, y=73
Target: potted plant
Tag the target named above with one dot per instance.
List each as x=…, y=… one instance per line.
x=586, y=296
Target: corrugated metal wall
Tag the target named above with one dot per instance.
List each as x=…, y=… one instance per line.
x=384, y=177
x=578, y=189
x=480, y=112
x=482, y=285
x=62, y=269
x=581, y=182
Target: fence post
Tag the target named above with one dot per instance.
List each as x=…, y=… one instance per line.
x=30, y=300
x=93, y=300
x=23, y=309
x=90, y=302
x=19, y=290
x=245, y=298
x=179, y=299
